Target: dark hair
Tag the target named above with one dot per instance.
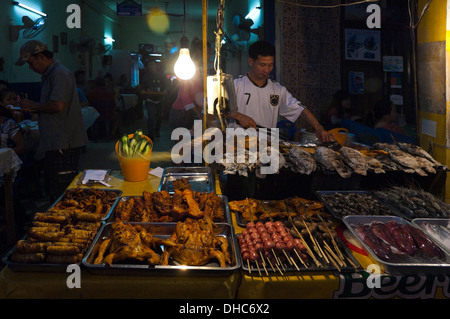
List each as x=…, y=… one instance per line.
x=341, y=95
x=382, y=108
x=262, y=48
x=4, y=111
x=5, y=83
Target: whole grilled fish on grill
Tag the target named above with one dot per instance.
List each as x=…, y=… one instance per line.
x=305, y=163
x=418, y=152
x=406, y=160
x=332, y=161
x=355, y=159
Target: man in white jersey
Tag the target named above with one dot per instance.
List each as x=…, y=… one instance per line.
x=260, y=100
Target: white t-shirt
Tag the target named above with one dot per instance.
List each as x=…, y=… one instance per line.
x=265, y=104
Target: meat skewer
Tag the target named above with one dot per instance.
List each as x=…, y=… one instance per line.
x=308, y=249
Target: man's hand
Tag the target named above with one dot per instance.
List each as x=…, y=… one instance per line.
x=244, y=120
x=28, y=105
x=324, y=136
x=51, y=107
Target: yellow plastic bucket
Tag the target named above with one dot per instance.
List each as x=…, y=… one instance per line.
x=340, y=135
x=135, y=169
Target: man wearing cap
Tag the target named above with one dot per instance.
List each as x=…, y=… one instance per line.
x=61, y=126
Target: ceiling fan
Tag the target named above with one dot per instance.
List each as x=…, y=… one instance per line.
x=30, y=28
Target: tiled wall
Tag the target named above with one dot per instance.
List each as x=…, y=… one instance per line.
x=310, y=53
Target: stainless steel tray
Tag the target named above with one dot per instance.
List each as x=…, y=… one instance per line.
x=225, y=207
x=118, y=191
x=201, y=178
x=321, y=195
x=407, y=266
x=163, y=231
x=445, y=222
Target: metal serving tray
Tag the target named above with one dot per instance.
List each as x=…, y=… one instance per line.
x=311, y=266
x=321, y=195
x=410, y=265
x=201, y=178
x=119, y=194
x=49, y=267
x=445, y=222
x=37, y=267
x=161, y=230
x=225, y=207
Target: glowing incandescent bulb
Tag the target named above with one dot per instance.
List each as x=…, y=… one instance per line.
x=184, y=67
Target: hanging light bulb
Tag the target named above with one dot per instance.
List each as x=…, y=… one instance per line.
x=184, y=67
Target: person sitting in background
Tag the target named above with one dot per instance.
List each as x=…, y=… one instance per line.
x=11, y=136
x=386, y=116
x=8, y=102
x=102, y=99
x=80, y=81
x=340, y=108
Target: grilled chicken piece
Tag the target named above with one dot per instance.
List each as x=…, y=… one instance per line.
x=194, y=243
x=127, y=242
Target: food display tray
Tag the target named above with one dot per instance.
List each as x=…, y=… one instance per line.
x=107, y=216
x=225, y=207
x=289, y=269
x=163, y=231
x=401, y=267
x=444, y=222
x=321, y=196
x=200, y=178
x=32, y=267
x=51, y=267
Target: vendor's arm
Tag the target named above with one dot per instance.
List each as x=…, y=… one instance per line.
x=244, y=120
x=51, y=107
x=322, y=134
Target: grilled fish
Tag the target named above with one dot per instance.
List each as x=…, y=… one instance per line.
x=355, y=159
x=418, y=152
x=305, y=163
x=332, y=161
x=407, y=160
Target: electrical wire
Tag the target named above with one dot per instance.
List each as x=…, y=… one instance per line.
x=326, y=7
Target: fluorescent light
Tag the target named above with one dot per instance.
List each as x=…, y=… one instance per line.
x=253, y=13
x=17, y=3
x=109, y=39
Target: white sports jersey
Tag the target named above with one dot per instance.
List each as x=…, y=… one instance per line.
x=265, y=104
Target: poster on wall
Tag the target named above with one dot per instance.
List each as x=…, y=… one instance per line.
x=362, y=45
x=392, y=63
x=356, y=83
